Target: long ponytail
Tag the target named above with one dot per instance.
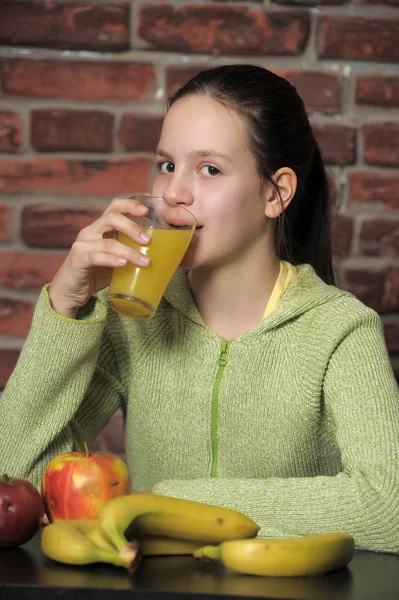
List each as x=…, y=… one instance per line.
x=303, y=230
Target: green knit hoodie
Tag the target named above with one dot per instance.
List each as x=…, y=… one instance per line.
x=295, y=423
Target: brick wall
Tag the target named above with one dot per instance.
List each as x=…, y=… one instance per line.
x=82, y=89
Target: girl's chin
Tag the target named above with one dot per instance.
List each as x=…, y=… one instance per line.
x=189, y=260
x=187, y=263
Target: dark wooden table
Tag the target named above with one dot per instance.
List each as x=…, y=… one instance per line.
x=26, y=574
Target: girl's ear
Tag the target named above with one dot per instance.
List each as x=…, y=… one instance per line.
x=279, y=195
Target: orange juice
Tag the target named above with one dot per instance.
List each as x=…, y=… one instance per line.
x=136, y=291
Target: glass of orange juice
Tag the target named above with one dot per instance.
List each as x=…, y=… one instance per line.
x=137, y=291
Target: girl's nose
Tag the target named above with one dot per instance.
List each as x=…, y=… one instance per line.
x=178, y=193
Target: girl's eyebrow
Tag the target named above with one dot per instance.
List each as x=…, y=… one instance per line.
x=160, y=152
x=196, y=153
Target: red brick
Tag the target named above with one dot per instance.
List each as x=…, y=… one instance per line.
x=8, y=360
x=367, y=187
x=320, y=91
x=139, y=132
x=337, y=142
x=55, y=226
x=391, y=331
x=378, y=289
x=358, y=38
x=309, y=2
x=334, y=183
x=72, y=130
x=223, y=30
x=64, y=25
x=381, y=144
x=79, y=80
x=45, y=175
x=21, y=270
x=379, y=237
x=377, y=90
x=390, y=300
x=112, y=437
x=387, y=2
x=367, y=285
x=176, y=77
x=10, y=131
x=5, y=222
x=15, y=317
x=341, y=235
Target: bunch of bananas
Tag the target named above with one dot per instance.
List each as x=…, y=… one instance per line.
x=159, y=525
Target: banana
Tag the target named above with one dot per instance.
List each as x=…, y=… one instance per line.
x=80, y=542
x=287, y=557
x=147, y=514
x=150, y=545
x=158, y=545
x=90, y=529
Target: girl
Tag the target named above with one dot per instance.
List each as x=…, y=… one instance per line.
x=257, y=385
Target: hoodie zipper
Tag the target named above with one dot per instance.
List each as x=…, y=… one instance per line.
x=222, y=361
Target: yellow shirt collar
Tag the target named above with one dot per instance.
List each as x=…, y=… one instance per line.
x=286, y=276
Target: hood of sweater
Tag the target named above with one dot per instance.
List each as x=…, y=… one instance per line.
x=307, y=292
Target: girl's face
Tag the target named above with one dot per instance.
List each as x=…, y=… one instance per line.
x=204, y=163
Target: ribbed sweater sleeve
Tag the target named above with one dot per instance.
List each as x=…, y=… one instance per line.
x=361, y=402
x=64, y=389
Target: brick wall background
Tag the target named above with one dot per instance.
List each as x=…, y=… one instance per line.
x=82, y=90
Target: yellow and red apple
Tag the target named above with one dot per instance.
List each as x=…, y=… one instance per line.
x=76, y=485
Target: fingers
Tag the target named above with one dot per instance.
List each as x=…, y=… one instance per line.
x=88, y=266
x=104, y=253
x=115, y=218
x=128, y=206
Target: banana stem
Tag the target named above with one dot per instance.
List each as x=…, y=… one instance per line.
x=130, y=555
x=207, y=553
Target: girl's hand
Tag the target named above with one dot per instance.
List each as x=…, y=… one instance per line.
x=88, y=266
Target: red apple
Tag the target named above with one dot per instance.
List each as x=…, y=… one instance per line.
x=21, y=511
x=76, y=485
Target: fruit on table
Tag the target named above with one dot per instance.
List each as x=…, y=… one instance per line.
x=172, y=517
x=76, y=485
x=287, y=557
x=80, y=542
x=21, y=511
x=160, y=525
x=69, y=542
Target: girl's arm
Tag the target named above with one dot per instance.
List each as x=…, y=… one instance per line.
x=363, y=499
x=65, y=386
x=64, y=389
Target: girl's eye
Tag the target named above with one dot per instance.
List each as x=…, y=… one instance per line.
x=210, y=170
x=166, y=166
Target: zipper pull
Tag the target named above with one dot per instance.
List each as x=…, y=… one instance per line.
x=223, y=355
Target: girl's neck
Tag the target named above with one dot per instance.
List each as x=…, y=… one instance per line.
x=232, y=298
